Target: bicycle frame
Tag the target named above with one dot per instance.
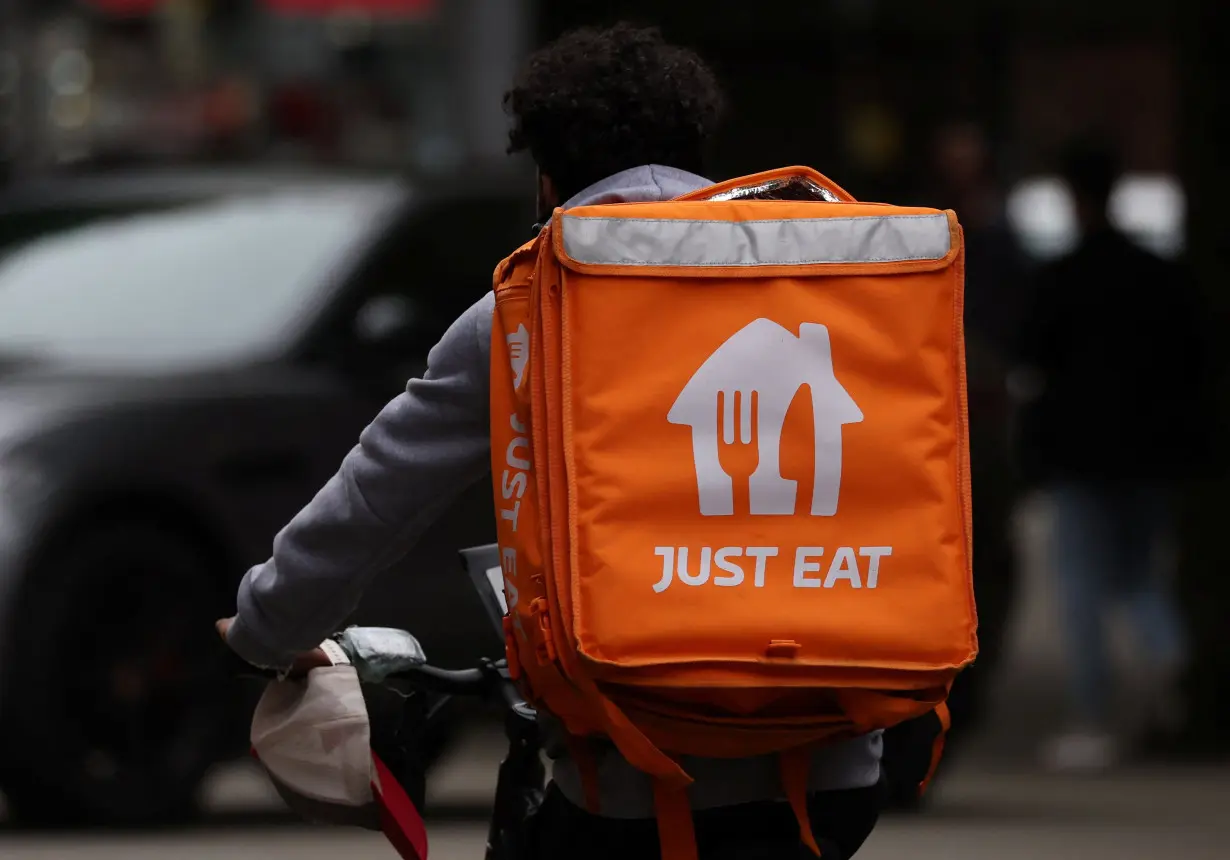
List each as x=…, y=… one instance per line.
x=519, y=787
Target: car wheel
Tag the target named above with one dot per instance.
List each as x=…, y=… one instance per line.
x=114, y=708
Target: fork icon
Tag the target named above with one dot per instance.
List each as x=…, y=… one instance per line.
x=738, y=425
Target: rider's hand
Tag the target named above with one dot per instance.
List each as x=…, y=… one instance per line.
x=305, y=662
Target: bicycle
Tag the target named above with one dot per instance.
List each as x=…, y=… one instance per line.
x=520, y=785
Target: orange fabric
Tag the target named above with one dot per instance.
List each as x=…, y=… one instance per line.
x=676, y=829
x=937, y=746
x=732, y=497
x=795, y=765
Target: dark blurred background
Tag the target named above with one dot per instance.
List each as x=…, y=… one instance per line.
x=228, y=235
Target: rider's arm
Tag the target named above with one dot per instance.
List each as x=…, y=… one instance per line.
x=421, y=451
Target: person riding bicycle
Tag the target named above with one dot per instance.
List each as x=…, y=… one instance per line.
x=608, y=115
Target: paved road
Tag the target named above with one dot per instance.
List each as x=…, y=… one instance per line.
x=1137, y=816
x=1004, y=814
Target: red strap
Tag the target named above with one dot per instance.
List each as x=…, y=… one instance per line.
x=676, y=830
x=399, y=819
x=795, y=766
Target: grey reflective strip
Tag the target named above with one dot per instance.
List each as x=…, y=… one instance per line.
x=792, y=242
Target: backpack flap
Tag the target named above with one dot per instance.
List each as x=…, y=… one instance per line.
x=753, y=239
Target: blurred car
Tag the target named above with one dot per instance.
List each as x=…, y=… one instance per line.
x=184, y=360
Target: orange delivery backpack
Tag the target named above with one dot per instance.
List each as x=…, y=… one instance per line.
x=731, y=475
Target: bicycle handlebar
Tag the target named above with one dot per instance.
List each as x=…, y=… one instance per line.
x=477, y=682
x=449, y=682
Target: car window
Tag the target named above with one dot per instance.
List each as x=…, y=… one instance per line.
x=207, y=281
x=26, y=225
x=437, y=262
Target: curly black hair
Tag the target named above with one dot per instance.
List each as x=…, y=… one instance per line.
x=598, y=101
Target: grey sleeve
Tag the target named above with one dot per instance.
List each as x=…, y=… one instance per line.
x=422, y=450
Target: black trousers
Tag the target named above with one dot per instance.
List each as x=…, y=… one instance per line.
x=841, y=821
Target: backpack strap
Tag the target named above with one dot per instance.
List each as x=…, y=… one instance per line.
x=937, y=746
x=795, y=767
x=631, y=741
x=676, y=829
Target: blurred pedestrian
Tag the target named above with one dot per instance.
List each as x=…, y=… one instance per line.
x=1113, y=352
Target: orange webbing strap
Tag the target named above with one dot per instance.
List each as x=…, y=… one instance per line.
x=582, y=753
x=937, y=746
x=795, y=766
x=632, y=743
x=676, y=830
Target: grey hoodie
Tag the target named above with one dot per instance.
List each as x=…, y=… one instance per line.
x=424, y=448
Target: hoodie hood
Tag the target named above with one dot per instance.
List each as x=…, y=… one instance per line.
x=648, y=184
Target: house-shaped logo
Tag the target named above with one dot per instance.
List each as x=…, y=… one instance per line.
x=740, y=397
